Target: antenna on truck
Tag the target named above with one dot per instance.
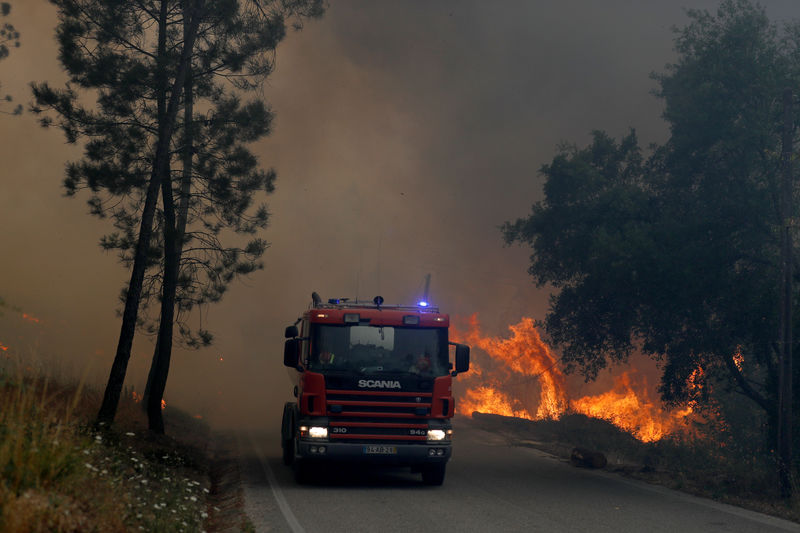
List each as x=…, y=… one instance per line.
x=424, y=301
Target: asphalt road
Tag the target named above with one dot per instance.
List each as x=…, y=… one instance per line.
x=490, y=486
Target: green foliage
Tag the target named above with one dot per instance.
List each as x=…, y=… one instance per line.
x=9, y=36
x=677, y=254
x=109, y=49
x=56, y=475
x=36, y=444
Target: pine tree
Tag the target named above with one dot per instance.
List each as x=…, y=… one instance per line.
x=9, y=36
x=146, y=61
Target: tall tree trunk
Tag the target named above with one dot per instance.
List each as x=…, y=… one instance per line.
x=785, y=363
x=119, y=368
x=164, y=348
x=166, y=120
x=150, y=375
x=174, y=231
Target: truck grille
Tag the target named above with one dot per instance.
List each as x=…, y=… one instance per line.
x=378, y=416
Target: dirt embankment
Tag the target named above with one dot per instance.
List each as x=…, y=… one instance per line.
x=695, y=467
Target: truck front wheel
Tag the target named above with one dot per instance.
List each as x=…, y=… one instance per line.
x=287, y=434
x=288, y=451
x=302, y=472
x=433, y=474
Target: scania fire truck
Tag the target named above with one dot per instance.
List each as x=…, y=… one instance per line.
x=373, y=384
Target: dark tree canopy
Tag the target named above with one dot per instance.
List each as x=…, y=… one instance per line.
x=234, y=51
x=169, y=120
x=676, y=253
x=9, y=36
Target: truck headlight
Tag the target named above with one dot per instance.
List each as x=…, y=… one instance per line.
x=314, y=432
x=436, y=434
x=318, y=432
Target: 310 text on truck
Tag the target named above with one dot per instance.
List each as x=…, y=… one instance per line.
x=373, y=384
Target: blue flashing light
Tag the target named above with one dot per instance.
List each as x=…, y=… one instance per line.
x=423, y=303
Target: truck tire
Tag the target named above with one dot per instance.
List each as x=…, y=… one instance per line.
x=302, y=472
x=288, y=451
x=433, y=474
x=287, y=435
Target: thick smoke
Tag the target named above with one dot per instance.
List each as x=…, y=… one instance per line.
x=406, y=133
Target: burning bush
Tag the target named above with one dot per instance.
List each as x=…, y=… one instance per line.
x=522, y=378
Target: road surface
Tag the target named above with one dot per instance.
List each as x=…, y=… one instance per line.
x=490, y=486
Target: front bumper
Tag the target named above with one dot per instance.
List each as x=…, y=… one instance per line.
x=385, y=453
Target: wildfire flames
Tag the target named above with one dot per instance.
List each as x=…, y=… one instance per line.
x=523, y=364
x=30, y=318
x=138, y=398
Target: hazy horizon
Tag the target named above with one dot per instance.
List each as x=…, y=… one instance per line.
x=406, y=134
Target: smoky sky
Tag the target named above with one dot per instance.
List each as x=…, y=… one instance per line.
x=405, y=134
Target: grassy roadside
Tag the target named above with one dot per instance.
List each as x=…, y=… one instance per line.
x=701, y=468
x=59, y=475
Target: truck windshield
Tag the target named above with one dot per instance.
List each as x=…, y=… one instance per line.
x=384, y=349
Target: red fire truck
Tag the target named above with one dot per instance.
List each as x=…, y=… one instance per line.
x=373, y=384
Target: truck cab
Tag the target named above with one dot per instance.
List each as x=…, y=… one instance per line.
x=373, y=384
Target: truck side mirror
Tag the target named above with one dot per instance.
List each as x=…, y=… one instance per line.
x=291, y=332
x=462, y=358
x=291, y=353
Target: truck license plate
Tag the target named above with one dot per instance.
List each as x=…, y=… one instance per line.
x=376, y=449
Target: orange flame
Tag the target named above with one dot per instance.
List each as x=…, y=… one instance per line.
x=30, y=318
x=632, y=410
x=738, y=358
x=526, y=354
x=503, y=389
x=138, y=398
x=490, y=400
x=3, y=347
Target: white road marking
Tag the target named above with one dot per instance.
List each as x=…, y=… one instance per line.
x=283, y=505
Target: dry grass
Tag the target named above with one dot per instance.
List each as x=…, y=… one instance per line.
x=707, y=468
x=59, y=475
